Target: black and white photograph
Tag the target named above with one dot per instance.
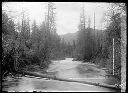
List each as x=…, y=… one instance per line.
x=63, y=46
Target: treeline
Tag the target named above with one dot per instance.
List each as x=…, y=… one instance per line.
x=89, y=41
x=97, y=45
x=28, y=47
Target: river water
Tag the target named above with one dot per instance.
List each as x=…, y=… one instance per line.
x=63, y=69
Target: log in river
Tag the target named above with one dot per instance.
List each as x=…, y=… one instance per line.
x=70, y=80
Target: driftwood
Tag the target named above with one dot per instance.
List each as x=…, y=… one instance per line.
x=70, y=80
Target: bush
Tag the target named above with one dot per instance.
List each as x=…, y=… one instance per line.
x=7, y=63
x=35, y=59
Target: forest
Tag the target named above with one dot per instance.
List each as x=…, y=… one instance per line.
x=25, y=48
x=28, y=47
x=96, y=46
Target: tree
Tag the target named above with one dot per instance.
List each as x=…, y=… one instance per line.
x=81, y=35
x=9, y=37
x=86, y=41
x=8, y=26
x=113, y=31
x=35, y=36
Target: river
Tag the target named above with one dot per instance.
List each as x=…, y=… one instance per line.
x=68, y=69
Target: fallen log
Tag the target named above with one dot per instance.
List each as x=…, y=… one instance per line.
x=70, y=80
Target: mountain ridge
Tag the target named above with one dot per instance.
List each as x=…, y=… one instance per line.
x=69, y=37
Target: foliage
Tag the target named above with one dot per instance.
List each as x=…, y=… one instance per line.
x=97, y=45
x=24, y=50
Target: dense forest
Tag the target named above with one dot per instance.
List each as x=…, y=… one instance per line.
x=96, y=46
x=26, y=47
x=32, y=47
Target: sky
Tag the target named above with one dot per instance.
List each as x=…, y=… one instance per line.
x=67, y=13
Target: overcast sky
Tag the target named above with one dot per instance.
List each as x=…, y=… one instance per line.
x=67, y=13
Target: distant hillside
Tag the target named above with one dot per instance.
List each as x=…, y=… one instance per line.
x=69, y=37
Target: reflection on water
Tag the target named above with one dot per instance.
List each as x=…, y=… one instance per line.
x=64, y=69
